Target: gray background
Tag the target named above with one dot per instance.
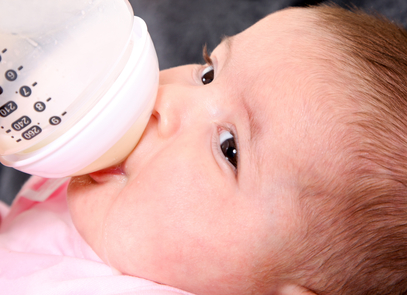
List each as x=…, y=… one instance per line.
x=180, y=28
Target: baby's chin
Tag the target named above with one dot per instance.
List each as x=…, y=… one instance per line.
x=89, y=202
x=78, y=186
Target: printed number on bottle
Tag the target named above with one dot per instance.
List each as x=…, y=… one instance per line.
x=32, y=132
x=7, y=108
x=21, y=123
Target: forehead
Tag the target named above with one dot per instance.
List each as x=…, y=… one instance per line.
x=273, y=58
x=290, y=28
x=270, y=68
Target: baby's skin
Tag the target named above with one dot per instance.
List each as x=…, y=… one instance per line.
x=209, y=196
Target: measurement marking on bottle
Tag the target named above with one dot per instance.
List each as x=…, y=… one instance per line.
x=35, y=83
x=25, y=91
x=39, y=106
x=49, y=99
x=32, y=132
x=4, y=50
x=18, y=140
x=63, y=114
x=20, y=68
x=7, y=108
x=55, y=120
x=11, y=75
x=8, y=131
x=21, y=123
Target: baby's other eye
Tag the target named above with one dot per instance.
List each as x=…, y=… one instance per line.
x=208, y=75
x=228, y=147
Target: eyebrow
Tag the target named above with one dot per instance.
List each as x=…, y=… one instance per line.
x=227, y=41
x=255, y=126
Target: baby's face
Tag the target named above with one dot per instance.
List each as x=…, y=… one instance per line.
x=210, y=191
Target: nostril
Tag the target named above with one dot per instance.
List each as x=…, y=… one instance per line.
x=167, y=111
x=156, y=115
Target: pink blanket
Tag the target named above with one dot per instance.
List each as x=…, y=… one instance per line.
x=42, y=253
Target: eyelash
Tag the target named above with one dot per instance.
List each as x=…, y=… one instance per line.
x=206, y=56
x=208, y=73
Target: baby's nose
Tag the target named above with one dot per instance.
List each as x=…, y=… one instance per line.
x=168, y=110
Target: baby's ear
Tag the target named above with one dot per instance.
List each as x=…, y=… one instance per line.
x=294, y=290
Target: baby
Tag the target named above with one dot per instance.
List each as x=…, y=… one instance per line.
x=279, y=167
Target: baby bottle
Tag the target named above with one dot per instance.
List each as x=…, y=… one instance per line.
x=78, y=81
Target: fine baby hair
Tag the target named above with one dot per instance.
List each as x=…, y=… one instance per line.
x=356, y=238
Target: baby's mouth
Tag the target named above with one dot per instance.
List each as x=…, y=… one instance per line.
x=107, y=173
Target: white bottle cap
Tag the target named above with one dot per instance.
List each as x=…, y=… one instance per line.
x=75, y=93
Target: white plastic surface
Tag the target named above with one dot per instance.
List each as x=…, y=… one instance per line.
x=95, y=115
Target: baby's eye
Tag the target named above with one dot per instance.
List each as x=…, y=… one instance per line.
x=228, y=147
x=208, y=75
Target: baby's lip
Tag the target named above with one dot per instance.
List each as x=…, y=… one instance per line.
x=105, y=174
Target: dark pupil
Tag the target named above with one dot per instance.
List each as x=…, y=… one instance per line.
x=229, y=150
x=208, y=77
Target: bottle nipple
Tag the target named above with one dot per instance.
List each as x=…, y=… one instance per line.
x=121, y=149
